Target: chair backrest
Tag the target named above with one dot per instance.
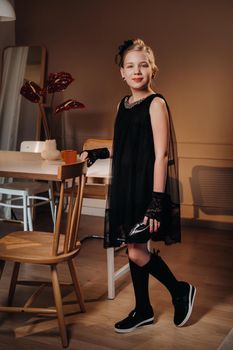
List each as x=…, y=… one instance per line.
x=97, y=143
x=75, y=172
x=32, y=146
x=212, y=190
x=91, y=191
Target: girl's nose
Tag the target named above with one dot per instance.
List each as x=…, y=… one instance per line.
x=137, y=70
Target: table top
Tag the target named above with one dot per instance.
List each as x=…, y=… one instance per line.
x=32, y=166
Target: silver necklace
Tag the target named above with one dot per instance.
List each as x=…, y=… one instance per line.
x=131, y=105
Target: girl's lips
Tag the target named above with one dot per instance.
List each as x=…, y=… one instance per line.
x=137, y=80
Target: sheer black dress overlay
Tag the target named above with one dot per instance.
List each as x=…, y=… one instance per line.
x=131, y=186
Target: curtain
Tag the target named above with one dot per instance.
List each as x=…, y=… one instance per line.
x=14, y=64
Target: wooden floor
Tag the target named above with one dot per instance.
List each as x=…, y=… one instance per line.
x=205, y=258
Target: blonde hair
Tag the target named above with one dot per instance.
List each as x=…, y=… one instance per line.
x=135, y=45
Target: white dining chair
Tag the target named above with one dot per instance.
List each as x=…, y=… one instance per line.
x=99, y=191
x=26, y=195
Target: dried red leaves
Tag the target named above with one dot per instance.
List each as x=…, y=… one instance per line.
x=58, y=82
x=31, y=91
x=69, y=104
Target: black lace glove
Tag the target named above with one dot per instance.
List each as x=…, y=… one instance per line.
x=96, y=153
x=157, y=205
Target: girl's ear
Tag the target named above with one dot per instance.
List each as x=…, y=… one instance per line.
x=122, y=73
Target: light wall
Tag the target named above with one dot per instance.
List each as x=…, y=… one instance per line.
x=193, y=45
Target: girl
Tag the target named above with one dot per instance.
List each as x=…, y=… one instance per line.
x=143, y=196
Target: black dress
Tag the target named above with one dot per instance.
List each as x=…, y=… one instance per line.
x=131, y=184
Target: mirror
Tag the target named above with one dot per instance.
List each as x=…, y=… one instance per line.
x=19, y=118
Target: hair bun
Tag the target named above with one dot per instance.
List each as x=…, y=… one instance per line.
x=126, y=44
x=121, y=49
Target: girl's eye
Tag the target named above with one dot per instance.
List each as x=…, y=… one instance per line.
x=145, y=65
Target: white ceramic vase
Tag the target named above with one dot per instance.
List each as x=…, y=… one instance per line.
x=50, y=151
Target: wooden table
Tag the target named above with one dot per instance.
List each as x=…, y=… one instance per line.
x=29, y=165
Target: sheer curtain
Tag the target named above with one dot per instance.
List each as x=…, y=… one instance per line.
x=14, y=65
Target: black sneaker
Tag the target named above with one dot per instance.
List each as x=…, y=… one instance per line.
x=134, y=320
x=183, y=305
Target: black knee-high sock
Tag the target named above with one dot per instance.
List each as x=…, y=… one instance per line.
x=140, y=279
x=159, y=269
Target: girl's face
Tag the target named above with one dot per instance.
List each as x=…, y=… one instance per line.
x=137, y=70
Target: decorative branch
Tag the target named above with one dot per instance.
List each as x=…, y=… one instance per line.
x=44, y=120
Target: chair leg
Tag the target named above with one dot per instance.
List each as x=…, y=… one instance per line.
x=25, y=216
x=14, y=278
x=77, y=288
x=59, y=308
x=111, y=273
x=51, y=198
x=29, y=214
x=2, y=264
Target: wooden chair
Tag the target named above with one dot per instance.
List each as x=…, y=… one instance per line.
x=96, y=189
x=97, y=143
x=51, y=249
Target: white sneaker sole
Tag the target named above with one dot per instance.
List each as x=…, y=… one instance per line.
x=143, y=323
x=191, y=302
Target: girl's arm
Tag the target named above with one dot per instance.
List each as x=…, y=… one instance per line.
x=159, y=122
x=160, y=128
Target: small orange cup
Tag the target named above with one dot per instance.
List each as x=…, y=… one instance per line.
x=69, y=156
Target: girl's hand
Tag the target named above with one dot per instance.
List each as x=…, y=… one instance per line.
x=93, y=154
x=154, y=212
x=83, y=156
x=153, y=224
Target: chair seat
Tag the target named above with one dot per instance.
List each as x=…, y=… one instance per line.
x=33, y=247
x=32, y=187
